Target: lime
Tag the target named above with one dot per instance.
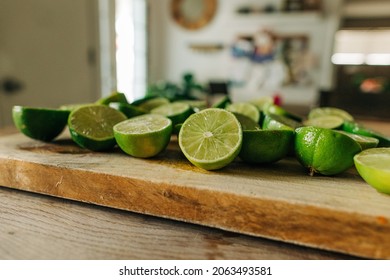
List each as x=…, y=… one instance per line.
x=326, y=121
x=270, y=108
x=262, y=102
x=91, y=126
x=246, y=122
x=356, y=128
x=127, y=109
x=222, y=102
x=327, y=111
x=246, y=109
x=265, y=146
x=196, y=105
x=40, y=123
x=324, y=151
x=211, y=138
x=178, y=112
x=149, y=103
x=279, y=122
x=143, y=136
x=71, y=107
x=365, y=142
x=373, y=165
x=113, y=97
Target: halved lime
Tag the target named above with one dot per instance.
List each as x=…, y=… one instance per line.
x=360, y=129
x=246, y=109
x=127, y=109
x=365, y=142
x=196, y=105
x=39, y=123
x=326, y=121
x=265, y=146
x=246, y=122
x=149, y=103
x=373, y=165
x=91, y=126
x=211, y=138
x=143, y=136
x=279, y=122
x=330, y=111
x=270, y=108
x=113, y=97
x=324, y=151
x=178, y=112
x=262, y=102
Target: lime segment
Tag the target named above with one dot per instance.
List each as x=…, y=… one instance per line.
x=373, y=165
x=143, y=136
x=211, y=138
x=91, y=126
x=39, y=123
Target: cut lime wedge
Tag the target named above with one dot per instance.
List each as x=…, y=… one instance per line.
x=211, y=138
x=330, y=111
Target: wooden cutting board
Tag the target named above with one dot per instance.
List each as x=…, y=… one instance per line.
x=280, y=201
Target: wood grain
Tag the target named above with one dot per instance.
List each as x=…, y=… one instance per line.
x=279, y=202
x=40, y=227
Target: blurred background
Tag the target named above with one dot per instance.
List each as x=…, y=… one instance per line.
x=304, y=53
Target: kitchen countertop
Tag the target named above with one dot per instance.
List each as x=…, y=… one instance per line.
x=35, y=226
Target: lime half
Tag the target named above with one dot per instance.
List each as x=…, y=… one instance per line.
x=143, y=136
x=211, y=138
x=91, y=126
x=326, y=121
x=265, y=146
x=39, y=123
x=178, y=112
x=330, y=111
x=373, y=166
x=246, y=109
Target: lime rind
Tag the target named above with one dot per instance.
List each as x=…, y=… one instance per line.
x=324, y=151
x=360, y=129
x=38, y=123
x=211, y=138
x=265, y=146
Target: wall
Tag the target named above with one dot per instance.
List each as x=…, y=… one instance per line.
x=170, y=55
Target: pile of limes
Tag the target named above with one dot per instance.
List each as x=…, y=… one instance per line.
x=327, y=141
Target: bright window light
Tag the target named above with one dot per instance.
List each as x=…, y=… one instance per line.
x=130, y=28
x=378, y=59
x=356, y=47
x=348, y=58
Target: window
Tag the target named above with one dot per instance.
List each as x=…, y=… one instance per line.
x=131, y=47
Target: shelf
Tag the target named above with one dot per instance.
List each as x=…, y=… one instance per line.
x=283, y=17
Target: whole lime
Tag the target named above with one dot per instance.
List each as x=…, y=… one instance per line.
x=324, y=151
